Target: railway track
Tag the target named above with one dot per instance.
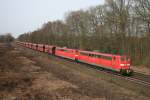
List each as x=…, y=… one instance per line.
x=142, y=78
x=137, y=80
x=136, y=77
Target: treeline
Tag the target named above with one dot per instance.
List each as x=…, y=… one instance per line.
x=6, y=38
x=118, y=27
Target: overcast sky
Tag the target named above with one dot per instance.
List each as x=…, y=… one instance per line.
x=20, y=16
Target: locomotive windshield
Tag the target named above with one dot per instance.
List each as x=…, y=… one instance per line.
x=124, y=58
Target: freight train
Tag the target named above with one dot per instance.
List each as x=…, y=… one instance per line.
x=112, y=62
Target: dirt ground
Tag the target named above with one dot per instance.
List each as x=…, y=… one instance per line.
x=27, y=75
x=142, y=69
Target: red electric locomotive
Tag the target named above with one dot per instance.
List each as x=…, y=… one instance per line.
x=114, y=62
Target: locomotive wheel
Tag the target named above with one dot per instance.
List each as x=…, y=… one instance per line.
x=131, y=72
x=128, y=72
x=123, y=72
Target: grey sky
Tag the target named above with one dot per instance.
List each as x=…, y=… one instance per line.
x=20, y=16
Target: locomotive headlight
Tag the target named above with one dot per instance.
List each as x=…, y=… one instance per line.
x=76, y=55
x=122, y=64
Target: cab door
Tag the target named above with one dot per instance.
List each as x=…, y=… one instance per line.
x=114, y=61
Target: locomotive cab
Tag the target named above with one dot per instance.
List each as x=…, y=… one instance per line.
x=125, y=65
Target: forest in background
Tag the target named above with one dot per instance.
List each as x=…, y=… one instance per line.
x=7, y=38
x=117, y=27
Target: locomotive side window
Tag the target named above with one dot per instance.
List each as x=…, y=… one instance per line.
x=82, y=53
x=92, y=55
x=63, y=50
x=107, y=58
x=99, y=56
